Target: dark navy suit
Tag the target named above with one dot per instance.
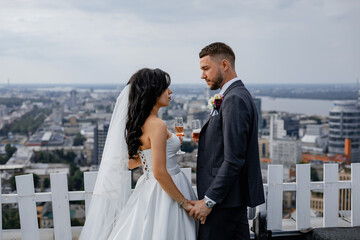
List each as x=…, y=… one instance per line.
x=228, y=167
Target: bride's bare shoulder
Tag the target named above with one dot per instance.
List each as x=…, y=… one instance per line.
x=153, y=123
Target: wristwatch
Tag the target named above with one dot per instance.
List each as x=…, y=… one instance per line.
x=208, y=203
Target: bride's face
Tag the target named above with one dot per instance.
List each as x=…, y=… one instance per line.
x=164, y=99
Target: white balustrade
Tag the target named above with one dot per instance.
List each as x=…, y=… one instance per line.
x=27, y=207
x=60, y=198
x=355, y=194
x=60, y=206
x=275, y=197
x=331, y=195
x=89, y=184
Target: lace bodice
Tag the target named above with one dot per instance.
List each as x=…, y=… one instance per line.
x=172, y=146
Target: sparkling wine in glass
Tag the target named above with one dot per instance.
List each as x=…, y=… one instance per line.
x=179, y=130
x=195, y=125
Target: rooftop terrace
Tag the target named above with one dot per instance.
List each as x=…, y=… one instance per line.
x=266, y=220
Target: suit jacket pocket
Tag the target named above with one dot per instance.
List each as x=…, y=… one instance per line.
x=214, y=171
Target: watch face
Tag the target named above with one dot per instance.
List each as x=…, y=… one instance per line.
x=209, y=204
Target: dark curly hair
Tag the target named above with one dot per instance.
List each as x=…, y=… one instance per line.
x=146, y=86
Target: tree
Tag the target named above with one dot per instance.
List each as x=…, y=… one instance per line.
x=36, y=180
x=70, y=157
x=79, y=140
x=12, y=183
x=10, y=150
x=76, y=222
x=313, y=175
x=3, y=159
x=78, y=182
x=46, y=183
x=10, y=218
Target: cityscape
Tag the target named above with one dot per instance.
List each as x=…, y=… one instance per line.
x=52, y=129
x=63, y=65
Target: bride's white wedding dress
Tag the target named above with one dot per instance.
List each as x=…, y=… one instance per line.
x=150, y=213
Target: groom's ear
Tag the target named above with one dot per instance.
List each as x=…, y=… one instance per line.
x=225, y=65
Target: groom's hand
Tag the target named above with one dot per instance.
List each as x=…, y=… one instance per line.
x=199, y=211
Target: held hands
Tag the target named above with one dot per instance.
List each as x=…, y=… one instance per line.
x=187, y=205
x=199, y=211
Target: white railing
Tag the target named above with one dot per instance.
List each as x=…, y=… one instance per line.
x=330, y=187
x=60, y=197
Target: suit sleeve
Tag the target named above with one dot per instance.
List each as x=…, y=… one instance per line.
x=235, y=126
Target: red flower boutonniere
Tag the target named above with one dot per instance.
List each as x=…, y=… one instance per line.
x=215, y=101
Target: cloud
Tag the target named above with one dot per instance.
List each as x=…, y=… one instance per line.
x=106, y=41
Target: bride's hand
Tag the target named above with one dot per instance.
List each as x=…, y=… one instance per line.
x=187, y=205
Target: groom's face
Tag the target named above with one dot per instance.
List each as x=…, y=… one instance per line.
x=211, y=72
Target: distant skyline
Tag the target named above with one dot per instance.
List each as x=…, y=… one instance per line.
x=106, y=41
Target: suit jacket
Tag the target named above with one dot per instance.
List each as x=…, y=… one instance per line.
x=228, y=166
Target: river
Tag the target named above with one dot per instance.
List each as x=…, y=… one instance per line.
x=293, y=105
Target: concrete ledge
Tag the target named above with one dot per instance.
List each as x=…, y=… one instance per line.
x=45, y=233
x=348, y=233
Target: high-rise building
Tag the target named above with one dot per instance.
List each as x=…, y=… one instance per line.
x=284, y=148
x=285, y=151
x=100, y=133
x=284, y=126
x=73, y=97
x=291, y=126
x=344, y=124
x=277, y=129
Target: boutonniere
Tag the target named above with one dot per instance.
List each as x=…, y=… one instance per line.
x=215, y=101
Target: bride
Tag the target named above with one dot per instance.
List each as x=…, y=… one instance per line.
x=157, y=208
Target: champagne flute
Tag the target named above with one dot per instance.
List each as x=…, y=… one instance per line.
x=195, y=125
x=179, y=130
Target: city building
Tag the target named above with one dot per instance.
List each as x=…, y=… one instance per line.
x=345, y=194
x=344, y=123
x=22, y=156
x=73, y=97
x=100, y=133
x=43, y=170
x=284, y=125
x=47, y=137
x=316, y=199
x=285, y=151
x=284, y=147
x=3, y=111
x=71, y=126
x=314, y=141
x=264, y=151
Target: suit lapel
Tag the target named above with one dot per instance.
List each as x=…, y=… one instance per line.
x=205, y=125
x=235, y=84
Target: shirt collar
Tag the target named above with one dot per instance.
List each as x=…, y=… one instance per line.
x=226, y=85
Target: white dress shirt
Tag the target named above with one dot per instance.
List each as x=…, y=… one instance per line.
x=226, y=85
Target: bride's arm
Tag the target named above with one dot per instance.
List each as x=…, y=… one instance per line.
x=158, y=138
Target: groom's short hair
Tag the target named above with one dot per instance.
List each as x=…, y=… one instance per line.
x=219, y=49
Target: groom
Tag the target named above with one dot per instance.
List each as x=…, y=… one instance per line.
x=228, y=167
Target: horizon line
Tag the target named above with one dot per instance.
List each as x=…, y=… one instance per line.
x=84, y=84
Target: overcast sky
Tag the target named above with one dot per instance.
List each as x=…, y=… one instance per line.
x=105, y=41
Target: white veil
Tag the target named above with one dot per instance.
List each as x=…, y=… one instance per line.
x=112, y=187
